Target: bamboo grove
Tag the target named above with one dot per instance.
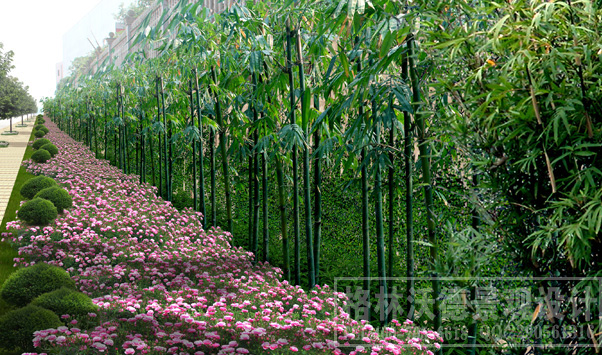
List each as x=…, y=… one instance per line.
x=277, y=90
x=259, y=112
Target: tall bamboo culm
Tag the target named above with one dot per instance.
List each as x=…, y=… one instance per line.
x=224, y=152
x=201, y=168
x=407, y=162
x=291, y=80
x=306, y=180
x=423, y=145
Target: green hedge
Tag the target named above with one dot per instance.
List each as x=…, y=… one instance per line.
x=38, y=211
x=41, y=156
x=58, y=196
x=51, y=148
x=66, y=301
x=32, y=186
x=17, y=327
x=40, y=142
x=25, y=284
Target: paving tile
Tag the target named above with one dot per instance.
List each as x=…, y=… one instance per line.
x=10, y=161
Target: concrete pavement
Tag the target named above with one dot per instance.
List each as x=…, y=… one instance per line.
x=11, y=158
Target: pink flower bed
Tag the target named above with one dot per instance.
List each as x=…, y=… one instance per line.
x=166, y=286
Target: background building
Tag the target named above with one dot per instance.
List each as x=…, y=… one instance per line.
x=93, y=27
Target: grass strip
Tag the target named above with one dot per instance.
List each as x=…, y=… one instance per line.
x=7, y=253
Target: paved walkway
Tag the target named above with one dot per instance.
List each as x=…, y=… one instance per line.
x=10, y=160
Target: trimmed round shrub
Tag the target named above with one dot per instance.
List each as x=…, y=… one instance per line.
x=66, y=301
x=39, y=143
x=39, y=133
x=38, y=212
x=23, y=285
x=58, y=196
x=39, y=126
x=40, y=120
x=51, y=148
x=44, y=129
x=41, y=156
x=34, y=185
x=19, y=325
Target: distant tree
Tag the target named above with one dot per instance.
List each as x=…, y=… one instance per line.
x=15, y=99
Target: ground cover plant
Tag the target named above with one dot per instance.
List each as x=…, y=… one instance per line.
x=162, y=284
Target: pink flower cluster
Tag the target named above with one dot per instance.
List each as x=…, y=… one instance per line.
x=165, y=285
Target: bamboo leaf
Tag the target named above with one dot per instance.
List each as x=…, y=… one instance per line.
x=339, y=8
x=351, y=7
x=387, y=43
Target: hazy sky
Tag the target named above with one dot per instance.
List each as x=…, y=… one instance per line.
x=34, y=29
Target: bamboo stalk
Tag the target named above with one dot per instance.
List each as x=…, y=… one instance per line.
x=364, y=194
x=160, y=140
x=291, y=80
x=212, y=169
x=282, y=207
x=195, y=197
x=317, y=198
x=391, y=197
x=224, y=152
x=105, y=129
x=550, y=172
x=380, y=234
x=266, y=231
x=251, y=201
x=426, y=179
x=202, y=206
x=168, y=147
x=255, y=179
x=306, y=165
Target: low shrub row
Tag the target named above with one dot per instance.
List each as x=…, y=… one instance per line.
x=46, y=198
x=45, y=294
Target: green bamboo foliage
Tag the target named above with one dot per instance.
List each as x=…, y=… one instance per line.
x=224, y=152
x=426, y=179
